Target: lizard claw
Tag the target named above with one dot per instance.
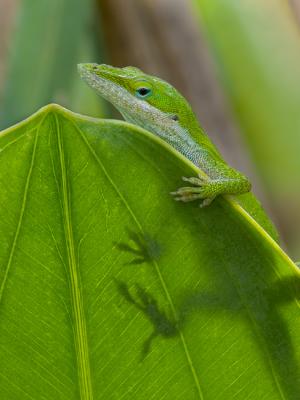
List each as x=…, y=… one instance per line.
x=206, y=202
x=195, y=181
x=200, y=191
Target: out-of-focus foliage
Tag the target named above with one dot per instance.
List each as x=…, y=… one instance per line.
x=257, y=49
x=49, y=39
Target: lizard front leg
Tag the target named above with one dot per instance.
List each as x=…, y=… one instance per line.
x=207, y=189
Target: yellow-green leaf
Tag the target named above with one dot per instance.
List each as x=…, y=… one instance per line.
x=112, y=290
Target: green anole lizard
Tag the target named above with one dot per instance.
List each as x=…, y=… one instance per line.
x=155, y=105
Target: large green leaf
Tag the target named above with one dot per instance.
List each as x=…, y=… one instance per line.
x=112, y=290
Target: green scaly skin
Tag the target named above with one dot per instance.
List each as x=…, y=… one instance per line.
x=155, y=105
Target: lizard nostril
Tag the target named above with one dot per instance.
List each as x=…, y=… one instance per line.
x=175, y=117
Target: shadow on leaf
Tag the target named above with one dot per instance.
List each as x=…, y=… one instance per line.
x=146, y=303
x=144, y=248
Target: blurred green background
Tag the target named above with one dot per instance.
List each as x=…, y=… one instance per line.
x=237, y=62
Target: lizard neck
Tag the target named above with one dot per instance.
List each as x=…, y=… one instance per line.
x=191, y=141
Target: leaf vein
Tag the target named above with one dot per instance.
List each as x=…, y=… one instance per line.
x=80, y=333
x=20, y=220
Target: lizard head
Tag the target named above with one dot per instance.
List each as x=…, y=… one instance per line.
x=140, y=98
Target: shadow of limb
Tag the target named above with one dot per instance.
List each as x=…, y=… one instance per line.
x=162, y=324
x=144, y=247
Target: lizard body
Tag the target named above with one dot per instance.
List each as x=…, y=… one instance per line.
x=158, y=107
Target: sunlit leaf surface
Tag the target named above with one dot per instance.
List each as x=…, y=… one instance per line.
x=109, y=289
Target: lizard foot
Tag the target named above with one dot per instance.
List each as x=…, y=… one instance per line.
x=202, y=190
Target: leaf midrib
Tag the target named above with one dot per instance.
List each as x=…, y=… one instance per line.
x=80, y=330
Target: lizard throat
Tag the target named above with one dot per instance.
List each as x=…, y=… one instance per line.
x=141, y=113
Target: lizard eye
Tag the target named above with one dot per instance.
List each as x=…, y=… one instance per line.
x=175, y=117
x=143, y=92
